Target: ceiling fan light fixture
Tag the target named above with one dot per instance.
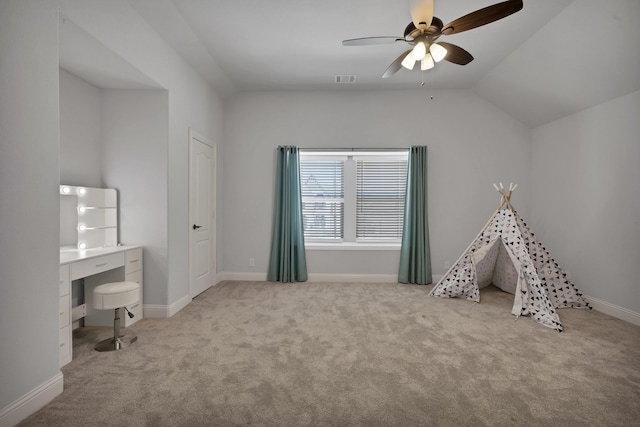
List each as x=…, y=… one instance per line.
x=408, y=62
x=437, y=52
x=424, y=29
x=421, y=13
x=427, y=62
x=419, y=51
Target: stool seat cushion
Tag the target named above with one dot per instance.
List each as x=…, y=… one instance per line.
x=115, y=295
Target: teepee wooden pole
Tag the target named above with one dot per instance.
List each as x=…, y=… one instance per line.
x=506, y=195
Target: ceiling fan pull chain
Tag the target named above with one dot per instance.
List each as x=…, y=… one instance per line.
x=422, y=83
x=431, y=84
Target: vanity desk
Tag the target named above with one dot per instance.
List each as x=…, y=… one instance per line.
x=89, y=221
x=95, y=266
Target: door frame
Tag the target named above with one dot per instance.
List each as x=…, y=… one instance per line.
x=196, y=136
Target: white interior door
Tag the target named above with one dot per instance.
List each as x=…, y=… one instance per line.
x=202, y=213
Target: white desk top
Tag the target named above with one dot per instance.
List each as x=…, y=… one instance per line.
x=69, y=254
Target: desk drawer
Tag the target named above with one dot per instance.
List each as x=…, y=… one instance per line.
x=65, y=286
x=133, y=260
x=66, y=351
x=136, y=309
x=136, y=276
x=65, y=314
x=89, y=267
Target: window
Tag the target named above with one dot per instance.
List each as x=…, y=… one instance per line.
x=353, y=197
x=322, y=187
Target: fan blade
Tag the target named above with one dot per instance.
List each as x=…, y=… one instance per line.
x=395, y=65
x=410, y=29
x=456, y=54
x=482, y=17
x=436, y=24
x=422, y=13
x=366, y=41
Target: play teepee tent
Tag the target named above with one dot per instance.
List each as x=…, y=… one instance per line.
x=509, y=256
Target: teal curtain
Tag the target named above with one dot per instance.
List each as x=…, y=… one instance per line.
x=415, y=254
x=287, y=262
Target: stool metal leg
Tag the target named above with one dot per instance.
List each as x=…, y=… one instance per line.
x=117, y=342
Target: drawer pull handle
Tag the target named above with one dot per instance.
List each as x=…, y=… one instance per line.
x=101, y=265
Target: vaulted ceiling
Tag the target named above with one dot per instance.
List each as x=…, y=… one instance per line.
x=551, y=59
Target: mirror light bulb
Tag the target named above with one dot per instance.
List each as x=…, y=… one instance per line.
x=437, y=52
x=81, y=191
x=82, y=227
x=419, y=51
x=66, y=190
x=81, y=209
x=82, y=245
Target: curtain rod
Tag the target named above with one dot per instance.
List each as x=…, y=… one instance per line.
x=354, y=149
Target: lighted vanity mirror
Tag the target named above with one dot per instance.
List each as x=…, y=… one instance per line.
x=88, y=217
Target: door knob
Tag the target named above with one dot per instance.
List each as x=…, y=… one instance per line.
x=195, y=227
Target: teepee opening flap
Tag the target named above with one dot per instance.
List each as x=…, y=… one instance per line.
x=508, y=255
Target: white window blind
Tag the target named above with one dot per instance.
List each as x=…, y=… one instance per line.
x=322, y=187
x=353, y=197
x=380, y=186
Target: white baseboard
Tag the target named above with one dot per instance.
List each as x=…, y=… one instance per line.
x=321, y=277
x=179, y=305
x=31, y=402
x=152, y=311
x=614, y=310
x=333, y=278
x=353, y=278
x=243, y=277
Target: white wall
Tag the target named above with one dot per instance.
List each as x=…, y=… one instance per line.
x=80, y=146
x=585, y=203
x=80, y=132
x=29, y=179
x=191, y=104
x=118, y=138
x=471, y=145
x=30, y=175
x=135, y=135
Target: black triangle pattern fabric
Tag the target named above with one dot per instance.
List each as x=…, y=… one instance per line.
x=561, y=290
x=542, y=285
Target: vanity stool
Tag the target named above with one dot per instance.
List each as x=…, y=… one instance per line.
x=112, y=296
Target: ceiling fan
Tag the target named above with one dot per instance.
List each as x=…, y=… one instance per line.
x=424, y=29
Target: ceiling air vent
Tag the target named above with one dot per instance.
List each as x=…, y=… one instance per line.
x=345, y=78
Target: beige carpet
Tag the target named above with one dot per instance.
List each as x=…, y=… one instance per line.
x=318, y=354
